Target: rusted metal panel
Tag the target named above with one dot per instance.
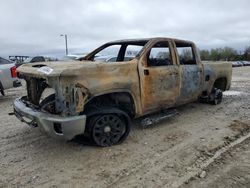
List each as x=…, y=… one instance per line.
x=164, y=86
x=160, y=88
x=191, y=83
x=220, y=69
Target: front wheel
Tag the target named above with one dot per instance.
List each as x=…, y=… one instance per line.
x=108, y=129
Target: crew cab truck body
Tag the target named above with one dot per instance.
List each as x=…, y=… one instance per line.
x=98, y=99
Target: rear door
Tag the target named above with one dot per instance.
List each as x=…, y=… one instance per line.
x=159, y=77
x=191, y=72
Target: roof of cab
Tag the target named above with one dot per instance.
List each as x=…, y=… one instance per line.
x=146, y=40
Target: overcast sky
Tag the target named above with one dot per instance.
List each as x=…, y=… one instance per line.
x=32, y=27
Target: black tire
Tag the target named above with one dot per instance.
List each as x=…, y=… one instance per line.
x=2, y=89
x=107, y=129
x=216, y=96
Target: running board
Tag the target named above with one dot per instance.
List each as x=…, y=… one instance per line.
x=156, y=118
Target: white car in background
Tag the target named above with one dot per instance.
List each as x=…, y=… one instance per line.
x=105, y=58
x=76, y=56
x=111, y=58
x=8, y=75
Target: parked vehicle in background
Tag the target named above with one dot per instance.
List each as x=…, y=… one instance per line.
x=98, y=99
x=76, y=56
x=31, y=60
x=111, y=58
x=51, y=58
x=246, y=63
x=17, y=58
x=8, y=75
x=235, y=64
x=68, y=58
x=105, y=59
x=240, y=63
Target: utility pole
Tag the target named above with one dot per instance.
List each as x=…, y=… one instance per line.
x=66, y=43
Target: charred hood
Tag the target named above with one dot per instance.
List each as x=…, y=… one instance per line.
x=58, y=68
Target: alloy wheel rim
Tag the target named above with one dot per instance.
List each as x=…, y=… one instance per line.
x=108, y=130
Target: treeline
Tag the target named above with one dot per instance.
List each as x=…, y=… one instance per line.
x=225, y=54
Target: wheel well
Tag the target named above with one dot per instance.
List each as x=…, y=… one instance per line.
x=221, y=83
x=1, y=88
x=121, y=100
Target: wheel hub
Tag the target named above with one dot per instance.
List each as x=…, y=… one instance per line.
x=107, y=129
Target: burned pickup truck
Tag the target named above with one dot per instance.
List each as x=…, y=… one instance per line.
x=98, y=99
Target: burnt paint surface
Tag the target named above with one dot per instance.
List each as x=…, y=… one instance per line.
x=160, y=88
x=163, y=87
x=191, y=83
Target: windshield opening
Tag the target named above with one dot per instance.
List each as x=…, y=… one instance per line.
x=117, y=52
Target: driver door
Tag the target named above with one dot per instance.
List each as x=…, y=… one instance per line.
x=159, y=77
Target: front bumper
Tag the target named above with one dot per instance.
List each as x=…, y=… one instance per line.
x=56, y=126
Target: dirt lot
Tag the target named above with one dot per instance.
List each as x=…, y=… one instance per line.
x=180, y=151
x=229, y=170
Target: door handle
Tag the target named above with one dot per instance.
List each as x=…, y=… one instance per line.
x=146, y=72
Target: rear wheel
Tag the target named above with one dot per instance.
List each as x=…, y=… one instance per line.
x=108, y=129
x=216, y=96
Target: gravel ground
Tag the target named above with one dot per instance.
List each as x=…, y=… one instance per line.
x=167, y=154
x=232, y=169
